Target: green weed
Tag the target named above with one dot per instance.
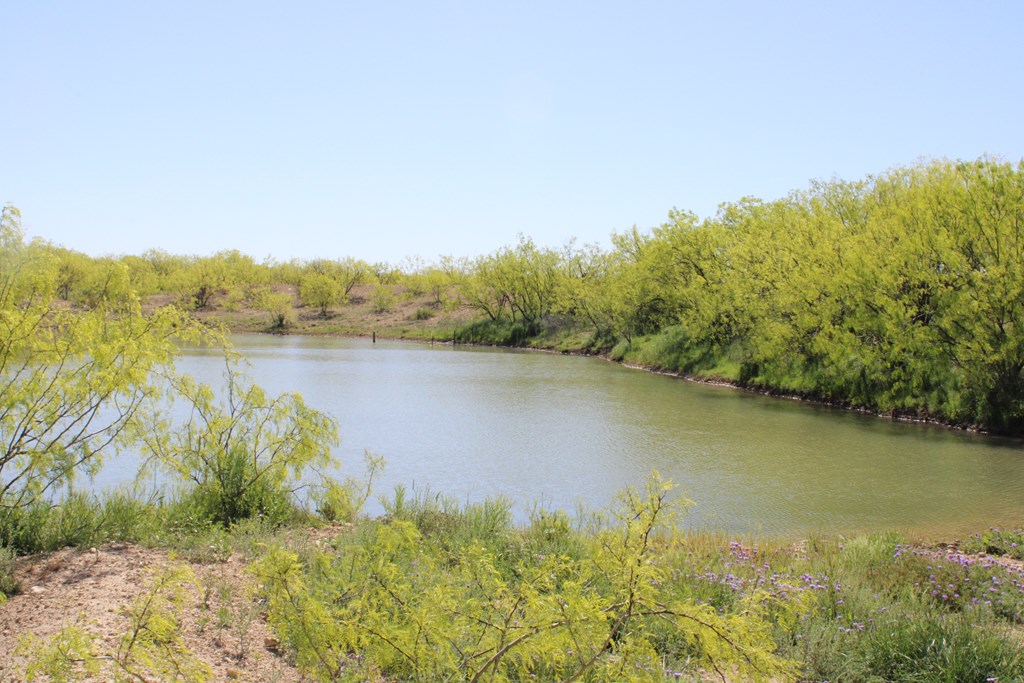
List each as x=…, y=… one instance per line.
x=997, y=542
x=9, y=584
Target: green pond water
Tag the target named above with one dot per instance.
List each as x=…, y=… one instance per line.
x=555, y=431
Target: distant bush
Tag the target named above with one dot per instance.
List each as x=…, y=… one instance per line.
x=383, y=299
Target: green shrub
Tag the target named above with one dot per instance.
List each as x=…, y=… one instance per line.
x=343, y=501
x=23, y=528
x=619, y=351
x=238, y=492
x=336, y=502
x=244, y=455
x=435, y=591
x=8, y=581
x=383, y=299
x=447, y=523
x=552, y=533
x=44, y=526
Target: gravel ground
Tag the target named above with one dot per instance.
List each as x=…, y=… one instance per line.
x=222, y=622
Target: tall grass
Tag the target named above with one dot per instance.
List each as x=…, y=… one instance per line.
x=868, y=608
x=451, y=524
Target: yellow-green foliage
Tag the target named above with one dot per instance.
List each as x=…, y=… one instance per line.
x=902, y=292
x=320, y=290
x=411, y=605
x=150, y=646
x=69, y=655
x=277, y=304
x=343, y=501
x=153, y=642
x=73, y=382
x=242, y=452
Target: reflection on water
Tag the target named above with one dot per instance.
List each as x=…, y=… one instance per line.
x=537, y=427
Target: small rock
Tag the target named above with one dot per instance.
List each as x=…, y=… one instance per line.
x=36, y=590
x=271, y=643
x=234, y=674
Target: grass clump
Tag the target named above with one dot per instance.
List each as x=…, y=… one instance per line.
x=78, y=520
x=935, y=647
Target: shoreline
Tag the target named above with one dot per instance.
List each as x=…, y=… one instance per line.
x=923, y=420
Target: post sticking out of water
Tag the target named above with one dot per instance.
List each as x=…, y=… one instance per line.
x=374, y=337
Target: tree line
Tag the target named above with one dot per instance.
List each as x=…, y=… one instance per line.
x=898, y=293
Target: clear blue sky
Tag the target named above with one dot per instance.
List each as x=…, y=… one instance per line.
x=383, y=130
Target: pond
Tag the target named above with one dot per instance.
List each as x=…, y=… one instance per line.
x=555, y=431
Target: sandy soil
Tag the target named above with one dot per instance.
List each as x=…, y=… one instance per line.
x=222, y=624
